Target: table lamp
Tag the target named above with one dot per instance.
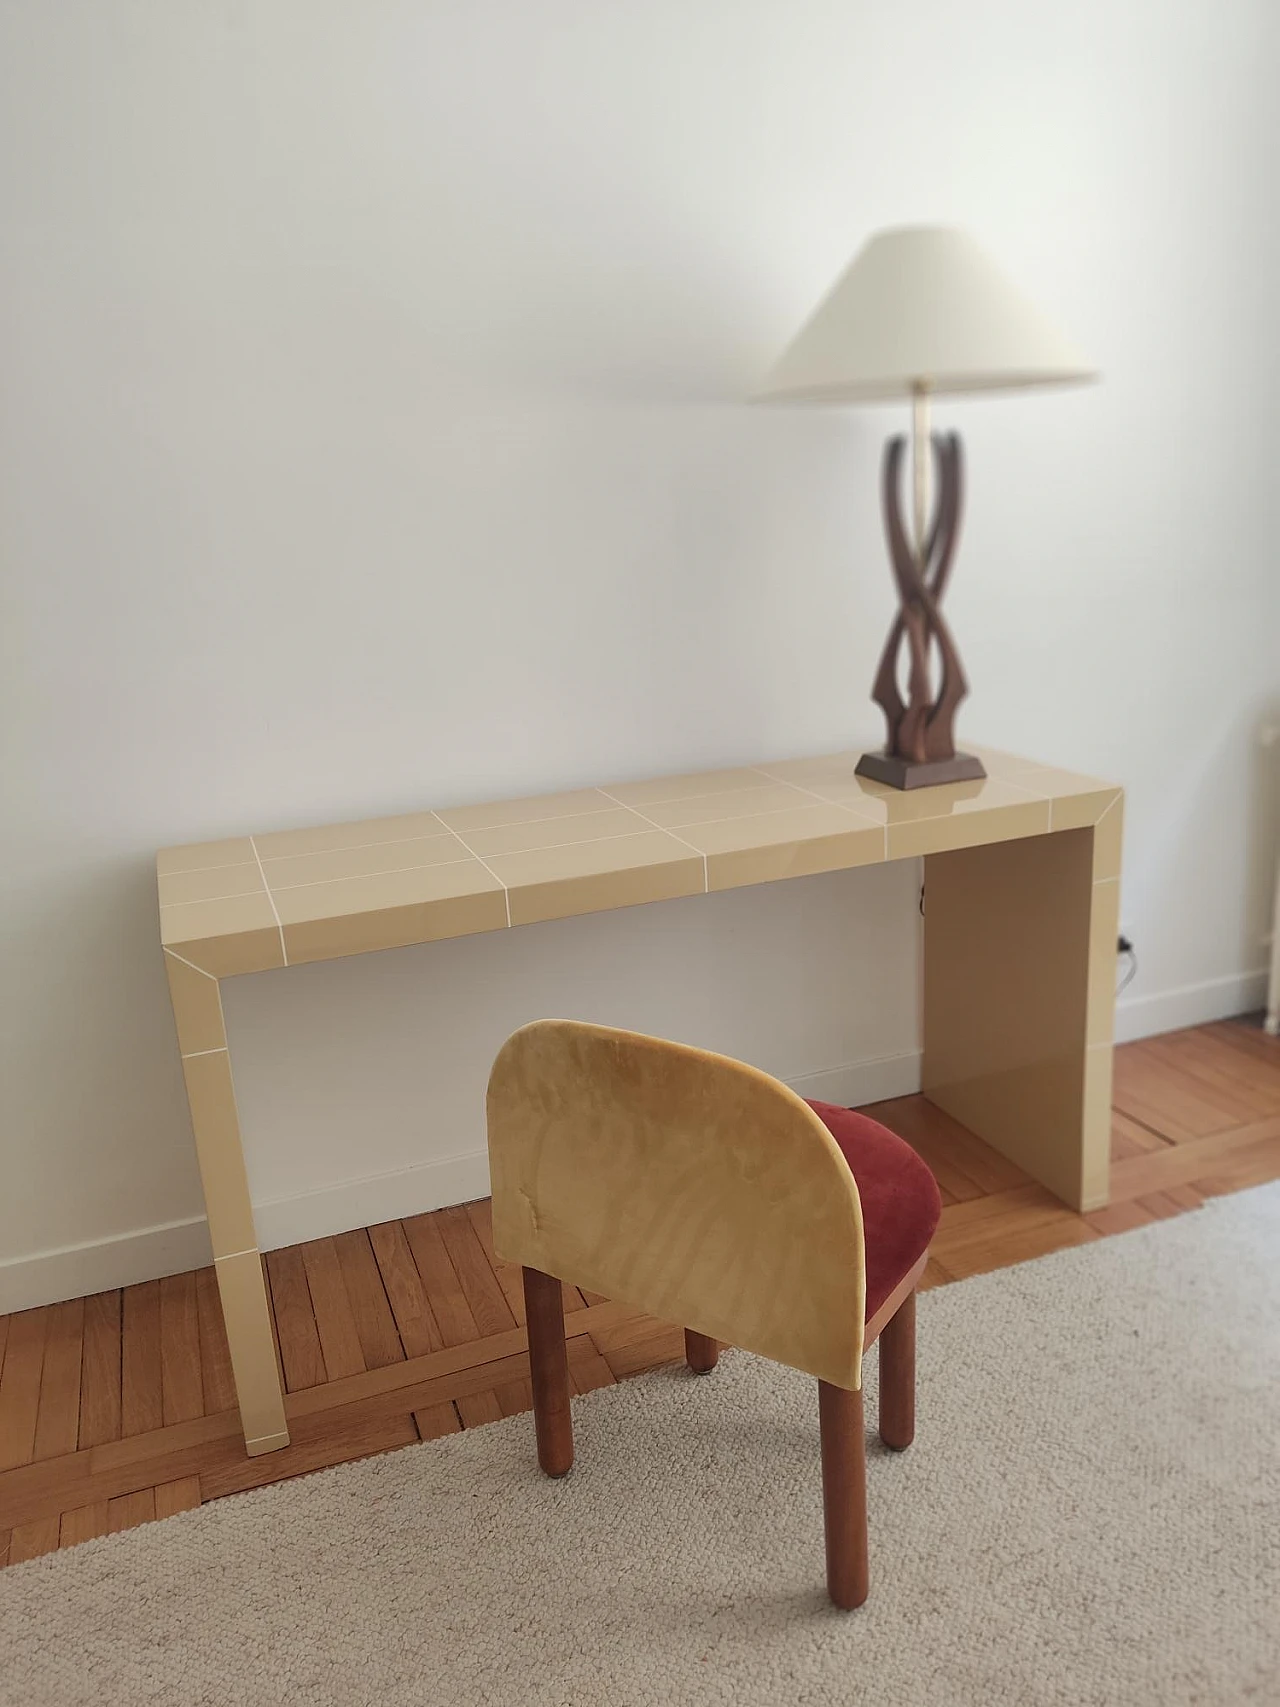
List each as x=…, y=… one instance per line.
x=921, y=312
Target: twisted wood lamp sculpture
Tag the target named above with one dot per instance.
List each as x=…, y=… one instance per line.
x=921, y=311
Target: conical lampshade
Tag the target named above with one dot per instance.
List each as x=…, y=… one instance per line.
x=922, y=308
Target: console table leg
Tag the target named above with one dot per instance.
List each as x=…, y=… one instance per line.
x=1019, y=999
x=206, y=1067
x=243, y=1290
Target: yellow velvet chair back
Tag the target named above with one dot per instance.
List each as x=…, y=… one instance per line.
x=689, y=1185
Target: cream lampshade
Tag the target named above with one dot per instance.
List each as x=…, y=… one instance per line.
x=921, y=311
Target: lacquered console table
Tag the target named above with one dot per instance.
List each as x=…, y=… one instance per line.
x=1021, y=912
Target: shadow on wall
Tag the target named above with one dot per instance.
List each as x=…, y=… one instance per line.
x=93, y=1085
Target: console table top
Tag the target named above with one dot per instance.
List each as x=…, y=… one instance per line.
x=251, y=903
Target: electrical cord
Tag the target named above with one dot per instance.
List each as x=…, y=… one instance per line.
x=1126, y=949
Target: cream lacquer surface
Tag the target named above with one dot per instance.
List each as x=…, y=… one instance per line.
x=1018, y=999
x=262, y=901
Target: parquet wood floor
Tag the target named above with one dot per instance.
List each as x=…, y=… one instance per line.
x=119, y=1408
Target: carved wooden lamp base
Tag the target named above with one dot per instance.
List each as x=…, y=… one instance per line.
x=906, y=773
x=920, y=751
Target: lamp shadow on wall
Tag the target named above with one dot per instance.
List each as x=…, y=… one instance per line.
x=95, y=1034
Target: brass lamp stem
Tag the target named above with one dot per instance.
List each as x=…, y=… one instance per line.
x=921, y=458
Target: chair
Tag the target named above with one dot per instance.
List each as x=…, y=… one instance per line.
x=707, y=1193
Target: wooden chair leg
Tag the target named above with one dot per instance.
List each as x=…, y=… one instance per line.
x=700, y=1352
x=898, y=1376
x=844, y=1494
x=549, y=1369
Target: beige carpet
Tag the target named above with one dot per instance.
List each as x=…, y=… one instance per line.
x=1091, y=1514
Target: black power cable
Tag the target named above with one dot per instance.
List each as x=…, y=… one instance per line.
x=1126, y=950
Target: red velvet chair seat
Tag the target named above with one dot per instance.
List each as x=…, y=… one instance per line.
x=900, y=1201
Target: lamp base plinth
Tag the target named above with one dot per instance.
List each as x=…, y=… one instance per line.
x=931, y=773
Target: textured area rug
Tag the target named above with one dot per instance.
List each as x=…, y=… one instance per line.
x=1091, y=1514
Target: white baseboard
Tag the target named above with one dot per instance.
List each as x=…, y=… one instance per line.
x=1193, y=1004
x=862, y=1081
x=74, y=1271
x=365, y=1202
x=77, y=1271
x=458, y=1179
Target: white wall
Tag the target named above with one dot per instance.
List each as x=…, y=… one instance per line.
x=371, y=436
